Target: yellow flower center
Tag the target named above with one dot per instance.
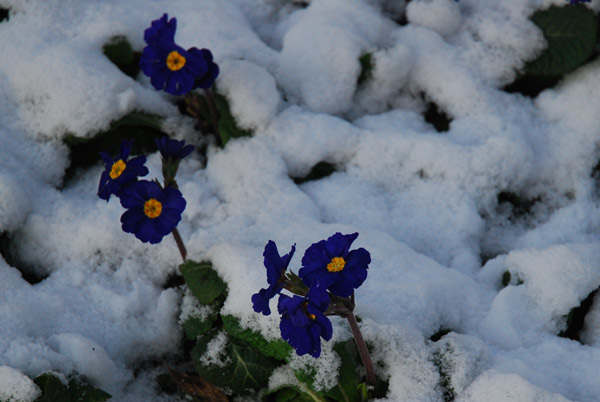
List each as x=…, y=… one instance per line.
x=175, y=61
x=152, y=208
x=311, y=316
x=336, y=264
x=117, y=168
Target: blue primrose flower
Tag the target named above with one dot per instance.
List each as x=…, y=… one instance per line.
x=173, y=149
x=152, y=212
x=208, y=79
x=172, y=68
x=276, y=267
x=161, y=29
x=169, y=66
x=303, y=322
x=120, y=172
x=334, y=266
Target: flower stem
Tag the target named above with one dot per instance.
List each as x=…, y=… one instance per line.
x=362, y=349
x=210, y=99
x=180, y=244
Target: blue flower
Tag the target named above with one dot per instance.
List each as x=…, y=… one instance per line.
x=170, y=67
x=160, y=30
x=208, y=79
x=303, y=321
x=332, y=264
x=120, y=172
x=152, y=212
x=276, y=267
x=579, y=1
x=173, y=149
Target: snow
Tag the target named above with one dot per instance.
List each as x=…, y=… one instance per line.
x=439, y=16
x=16, y=386
x=464, y=356
x=215, y=351
x=308, y=64
x=493, y=386
x=251, y=92
x=325, y=374
x=425, y=203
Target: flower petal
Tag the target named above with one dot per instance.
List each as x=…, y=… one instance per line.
x=131, y=220
x=342, y=288
x=161, y=29
x=339, y=244
x=260, y=302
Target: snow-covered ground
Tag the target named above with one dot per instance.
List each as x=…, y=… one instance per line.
x=425, y=203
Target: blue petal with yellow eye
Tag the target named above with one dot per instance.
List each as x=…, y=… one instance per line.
x=112, y=180
x=333, y=265
x=170, y=67
x=152, y=212
x=155, y=64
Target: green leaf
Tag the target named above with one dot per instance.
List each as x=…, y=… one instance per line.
x=138, y=119
x=506, y=278
x=291, y=393
x=228, y=127
x=278, y=349
x=82, y=392
x=285, y=394
x=198, y=107
x=203, y=281
x=319, y=171
x=366, y=64
x=306, y=376
x=346, y=389
x=119, y=51
x=135, y=119
x=250, y=367
x=195, y=327
x=247, y=369
x=53, y=390
x=138, y=126
x=166, y=384
x=363, y=391
x=571, y=33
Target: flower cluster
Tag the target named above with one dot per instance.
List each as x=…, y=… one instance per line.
x=169, y=66
x=330, y=272
x=152, y=211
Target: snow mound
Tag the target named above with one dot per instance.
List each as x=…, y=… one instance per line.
x=493, y=386
x=17, y=387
